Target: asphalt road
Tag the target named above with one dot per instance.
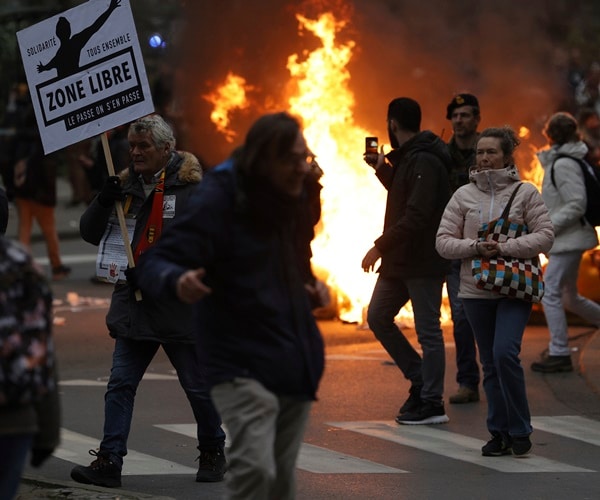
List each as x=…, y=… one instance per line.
x=352, y=448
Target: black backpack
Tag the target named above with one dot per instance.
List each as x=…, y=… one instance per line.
x=591, y=175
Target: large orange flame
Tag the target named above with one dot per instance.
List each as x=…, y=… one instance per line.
x=231, y=95
x=353, y=200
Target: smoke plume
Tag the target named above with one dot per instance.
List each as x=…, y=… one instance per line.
x=503, y=52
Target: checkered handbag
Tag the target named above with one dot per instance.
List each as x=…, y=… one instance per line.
x=519, y=278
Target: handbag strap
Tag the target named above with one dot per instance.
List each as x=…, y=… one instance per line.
x=510, y=200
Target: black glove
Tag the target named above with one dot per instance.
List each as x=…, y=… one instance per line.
x=39, y=456
x=131, y=277
x=111, y=192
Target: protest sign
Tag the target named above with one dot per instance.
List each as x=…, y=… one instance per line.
x=85, y=72
x=86, y=75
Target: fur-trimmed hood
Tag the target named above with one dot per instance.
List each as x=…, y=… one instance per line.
x=189, y=171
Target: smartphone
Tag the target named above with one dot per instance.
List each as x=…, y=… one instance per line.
x=371, y=145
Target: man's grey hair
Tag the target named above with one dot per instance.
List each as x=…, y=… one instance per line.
x=160, y=131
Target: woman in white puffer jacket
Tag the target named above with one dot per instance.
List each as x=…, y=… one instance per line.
x=498, y=322
x=566, y=200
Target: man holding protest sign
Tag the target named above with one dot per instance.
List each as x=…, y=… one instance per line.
x=152, y=191
x=94, y=80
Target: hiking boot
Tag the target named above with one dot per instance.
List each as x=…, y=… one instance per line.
x=521, y=446
x=464, y=395
x=496, y=447
x=211, y=467
x=101, y=472
x=60, y=272
x=553, y=364
x=427, y=413
x=414, y=400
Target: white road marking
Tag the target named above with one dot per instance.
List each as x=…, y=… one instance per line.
x=82, y=383
x=313, y=458
x=354, y=357
x=102, y=383
x=321, y=460
x=69, y=259
x=571, y=426
x=74, y=448
x=453, y=445
x=159, y=376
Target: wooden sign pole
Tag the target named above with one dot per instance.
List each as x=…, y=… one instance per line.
x=119, y=208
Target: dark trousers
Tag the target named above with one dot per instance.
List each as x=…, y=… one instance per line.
x=467, y=369
x=425, y=294
x=130, y=361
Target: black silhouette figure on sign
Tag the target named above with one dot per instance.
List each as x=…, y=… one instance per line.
x=66, y=60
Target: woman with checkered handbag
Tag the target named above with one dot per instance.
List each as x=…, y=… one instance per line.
x=498, y=321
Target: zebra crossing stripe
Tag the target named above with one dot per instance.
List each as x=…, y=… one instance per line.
x=354, y=357
x=453, y=445
x=320, y=460
x=571, y=426
x=313, y=458
x=102, y=383
x=82, y=383
x=69, y=259
x=323, y=461
x=74, y=448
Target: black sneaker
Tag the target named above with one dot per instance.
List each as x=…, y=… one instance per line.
x=521, y=446
x=413, y=402
x=553, y=364
x=427, y=413
x=101, y=472
x=496, y=447
x=212, y=466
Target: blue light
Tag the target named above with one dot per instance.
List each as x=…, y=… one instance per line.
x=155, y=41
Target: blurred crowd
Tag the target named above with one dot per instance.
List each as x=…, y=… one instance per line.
x=581, y=98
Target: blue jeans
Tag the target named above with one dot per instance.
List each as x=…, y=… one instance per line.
x=498, y=325
x=15, y=449
x=130, y=361
x=467, y=369
x=425, y=294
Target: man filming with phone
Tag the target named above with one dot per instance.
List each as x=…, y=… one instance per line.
x=415, y=174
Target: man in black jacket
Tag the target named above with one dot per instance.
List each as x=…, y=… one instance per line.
x=415, y=173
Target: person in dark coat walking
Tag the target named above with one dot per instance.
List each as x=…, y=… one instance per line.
x=154, y=191
x=34, y=189
x=234, y=255
x=415, y=174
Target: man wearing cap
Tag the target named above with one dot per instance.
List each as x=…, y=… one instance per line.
x=463, y=113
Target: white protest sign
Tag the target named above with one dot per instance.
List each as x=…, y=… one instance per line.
x=85, y=72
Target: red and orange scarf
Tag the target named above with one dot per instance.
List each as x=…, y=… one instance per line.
x=153, y=228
